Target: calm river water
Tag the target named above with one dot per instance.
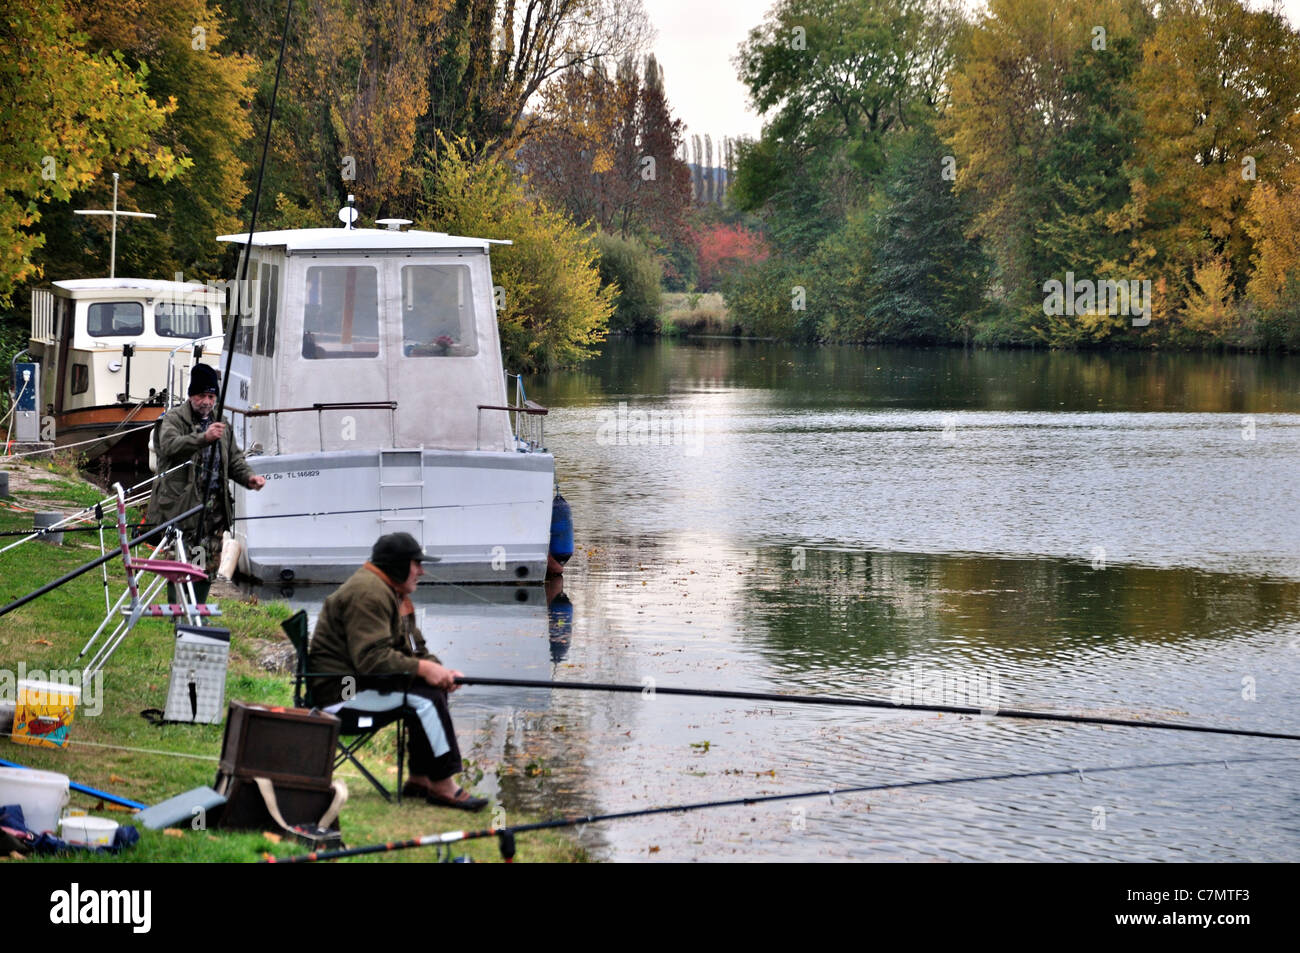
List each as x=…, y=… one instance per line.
x=1113, y=535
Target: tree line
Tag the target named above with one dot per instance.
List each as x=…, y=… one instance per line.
x=462, y=115
x=926, y=175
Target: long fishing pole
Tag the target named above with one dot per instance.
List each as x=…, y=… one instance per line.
x=68, y=577
x=871, y=703
x=242, y=269
x=506, y=834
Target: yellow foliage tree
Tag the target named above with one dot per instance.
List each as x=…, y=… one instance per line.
x=67, y=114
x=1219, y=92
x=551, y=308
x=1273, y=224
x=1209, y=303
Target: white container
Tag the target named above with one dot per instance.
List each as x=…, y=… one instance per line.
x=91, y=831
x=41, y=794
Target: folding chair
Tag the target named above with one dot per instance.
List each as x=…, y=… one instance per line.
x=358, y=727
x=179, y=572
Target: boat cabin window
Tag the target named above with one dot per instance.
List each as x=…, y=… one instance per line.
x=118, y=318
x=182, y=320
x=341, y=315
x=437, y=312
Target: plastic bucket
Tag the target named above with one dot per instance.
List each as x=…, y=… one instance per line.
x=41, y=794
x=92, y=831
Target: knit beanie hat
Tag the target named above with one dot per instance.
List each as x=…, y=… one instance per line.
x=393, y=554
x=204, y=380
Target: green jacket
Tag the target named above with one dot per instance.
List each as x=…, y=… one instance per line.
x=361, y=631
x=179, y=439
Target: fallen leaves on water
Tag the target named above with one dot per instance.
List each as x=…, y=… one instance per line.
x=654, y=849
x=702, y=746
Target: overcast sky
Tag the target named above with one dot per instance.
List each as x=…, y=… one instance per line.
x=698, y=40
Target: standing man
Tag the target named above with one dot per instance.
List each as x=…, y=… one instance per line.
x=366, y=638
x=189, y=433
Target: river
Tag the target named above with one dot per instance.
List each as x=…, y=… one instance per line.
x=1100, y=534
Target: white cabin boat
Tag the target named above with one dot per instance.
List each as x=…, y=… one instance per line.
x=368, y=389
x=115, y=352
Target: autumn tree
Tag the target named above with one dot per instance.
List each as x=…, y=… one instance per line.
x=607, y=153
x=553, y=310
x=1219, y=93
x=70, y=114
x=492, y=57
x=179, y=45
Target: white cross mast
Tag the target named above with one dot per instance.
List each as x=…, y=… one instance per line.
x=112, y=255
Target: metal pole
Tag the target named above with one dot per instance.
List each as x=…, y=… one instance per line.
x=112, y=255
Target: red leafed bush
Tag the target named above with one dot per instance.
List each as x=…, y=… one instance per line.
x=723, y=248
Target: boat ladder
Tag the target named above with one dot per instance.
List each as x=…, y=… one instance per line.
x=401, y=492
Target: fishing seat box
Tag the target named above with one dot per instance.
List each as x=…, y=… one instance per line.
x=291, y=747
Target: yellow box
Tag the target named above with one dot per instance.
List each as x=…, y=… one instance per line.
x=44, y=713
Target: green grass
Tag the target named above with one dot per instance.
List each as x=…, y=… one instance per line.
x=119, y=752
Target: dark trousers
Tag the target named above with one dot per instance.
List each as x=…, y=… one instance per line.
x=420, y=757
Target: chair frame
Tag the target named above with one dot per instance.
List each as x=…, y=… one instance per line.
x=295, y=627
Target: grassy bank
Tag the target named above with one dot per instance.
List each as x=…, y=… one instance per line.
x=117, y=751
x=694, y=313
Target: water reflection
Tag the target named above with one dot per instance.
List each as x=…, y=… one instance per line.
x=1098, y=533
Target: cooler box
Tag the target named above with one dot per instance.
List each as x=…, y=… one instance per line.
x=44, y=712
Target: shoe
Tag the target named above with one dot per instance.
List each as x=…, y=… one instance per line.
x=412, y=789
x=461, y=802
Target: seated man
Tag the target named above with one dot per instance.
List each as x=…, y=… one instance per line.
x=367, y=628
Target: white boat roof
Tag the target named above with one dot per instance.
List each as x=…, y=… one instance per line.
x=84, y=287
x=357, y=239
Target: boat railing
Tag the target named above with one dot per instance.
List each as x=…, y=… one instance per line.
x=528, y=431
x=175, y=391
x=319, y=410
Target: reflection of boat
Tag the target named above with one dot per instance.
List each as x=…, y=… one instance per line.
x=370, y=385
x=111, y=350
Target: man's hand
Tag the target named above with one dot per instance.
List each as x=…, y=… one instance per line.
x=214, y=432
x=256, y=482
x=439, y=677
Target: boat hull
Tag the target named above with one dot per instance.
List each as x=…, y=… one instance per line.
x=484, y=515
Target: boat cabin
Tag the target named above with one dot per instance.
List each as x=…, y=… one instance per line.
x=111, y=349
x=368, y=339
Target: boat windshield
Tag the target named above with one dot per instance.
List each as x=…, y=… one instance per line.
x=341, y=316
x=437, y=312
x=115, y=319
x=182, y=320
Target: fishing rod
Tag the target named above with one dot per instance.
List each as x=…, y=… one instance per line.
x=506, y=835
x=384, y=509
x=59, y=527
x=241, y=286
x=68, y=577
x=871, y=703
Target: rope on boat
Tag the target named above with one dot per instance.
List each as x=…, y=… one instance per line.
x=506, y=835
x=650, y=690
